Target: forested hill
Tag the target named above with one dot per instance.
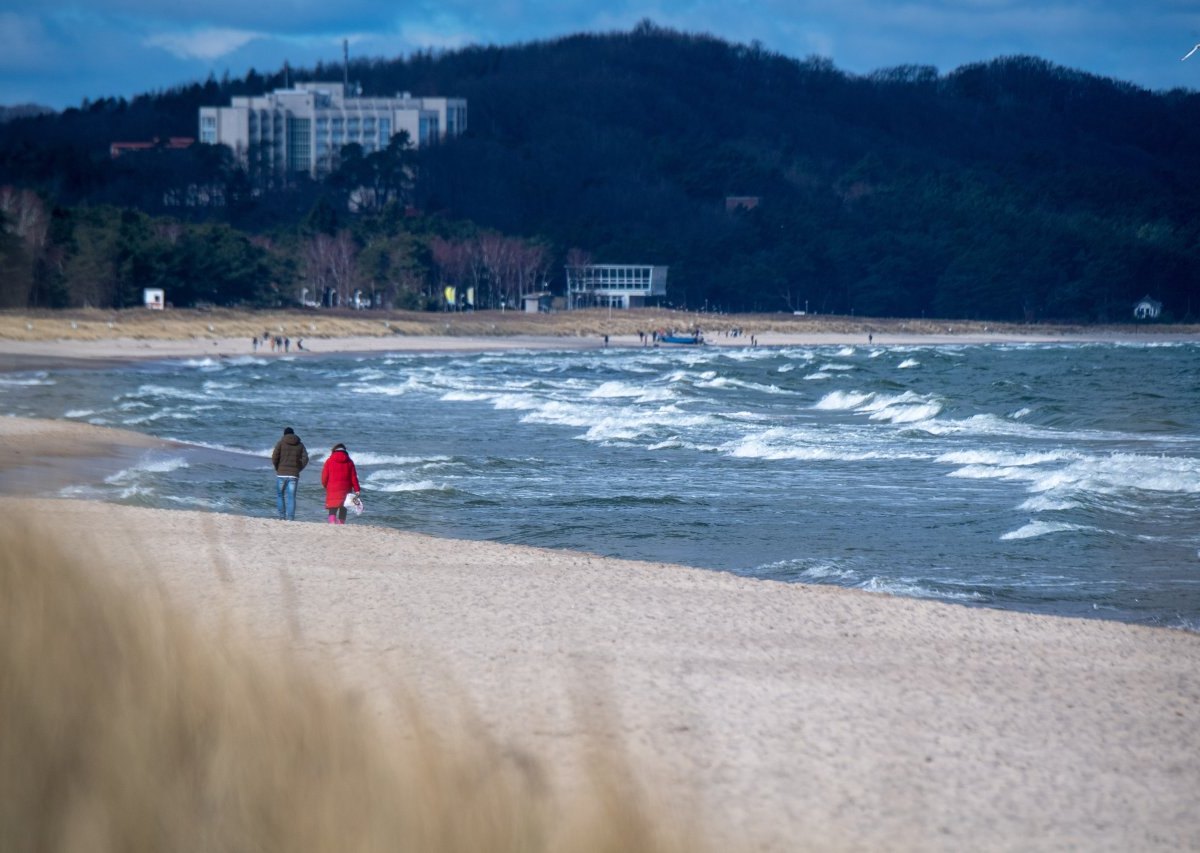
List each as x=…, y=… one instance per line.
x=1013, y=189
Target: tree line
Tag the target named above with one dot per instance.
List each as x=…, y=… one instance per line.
x=1006, y=190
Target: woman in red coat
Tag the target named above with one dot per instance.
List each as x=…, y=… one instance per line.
x=340, y=478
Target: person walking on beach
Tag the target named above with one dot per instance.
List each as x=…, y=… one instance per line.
x=289, y=458
x=340, y=478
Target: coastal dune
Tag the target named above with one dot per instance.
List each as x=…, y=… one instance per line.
x=759, y=715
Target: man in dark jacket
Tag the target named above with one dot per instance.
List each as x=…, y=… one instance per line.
x=289, y=458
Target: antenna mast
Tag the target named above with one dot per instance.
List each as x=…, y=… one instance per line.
x=346, y=63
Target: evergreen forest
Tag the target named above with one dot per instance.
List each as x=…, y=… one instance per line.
x=1008, y=190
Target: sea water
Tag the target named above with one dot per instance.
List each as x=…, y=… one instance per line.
x=1049, y=478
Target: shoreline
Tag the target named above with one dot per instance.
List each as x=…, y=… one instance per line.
x=29, y=355
x=70, y=337
x=783, y=714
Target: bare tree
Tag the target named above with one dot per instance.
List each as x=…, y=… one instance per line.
x=534, y=268
x=23, y=214
x=496, y=259
x=343, y=267
x=455, y=262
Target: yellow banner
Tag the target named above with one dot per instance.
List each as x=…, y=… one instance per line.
x=451, y=295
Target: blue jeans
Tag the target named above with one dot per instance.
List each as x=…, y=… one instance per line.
x=285, y=497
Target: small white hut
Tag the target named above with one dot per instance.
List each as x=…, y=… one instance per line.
x=154, y=298
x=1147, y=309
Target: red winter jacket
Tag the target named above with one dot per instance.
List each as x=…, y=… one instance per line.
x=339, y=477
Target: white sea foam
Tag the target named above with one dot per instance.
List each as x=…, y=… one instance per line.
x=784, y=443
x=910, y=588
x=726, y=382
x=392, y=482
x=613, y=389
x=79, y=413
x=838, y=401
x=465, y=396
x=818, y=375
x=192, y=500
x=1004, y=458
x=561, y=413
x=167, y=392
x=631, y=426
x=370, y=374
x=223, y=448
x=202, y=363
x=1111, y=474
x=415, y=486
x=162, y=414
x=1044, y=503
x=616, y=390
x=672, y=443
x=1034, y=529
x=987, y=425
x=147, y=466
x=907, y=414
x=382, y=390
x=26, y=382
x=369, y=458
x=907, y=363
x=519, y=402
x=828, y=571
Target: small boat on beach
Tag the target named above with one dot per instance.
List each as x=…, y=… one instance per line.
x=684, y=340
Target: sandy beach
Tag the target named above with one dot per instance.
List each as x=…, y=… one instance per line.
x=784, y=716
x=29, y=340
x=769, y=716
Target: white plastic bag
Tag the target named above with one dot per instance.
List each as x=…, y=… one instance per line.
x=353, y=502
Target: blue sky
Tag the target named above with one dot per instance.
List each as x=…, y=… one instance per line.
x=58, y=52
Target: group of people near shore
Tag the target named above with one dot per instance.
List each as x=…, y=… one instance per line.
x=278, y=343
x=339, y=476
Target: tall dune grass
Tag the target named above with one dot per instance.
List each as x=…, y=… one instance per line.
x=123, y=727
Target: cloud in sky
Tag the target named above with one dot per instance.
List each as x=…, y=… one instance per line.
x=209, y=43
x=60, y=53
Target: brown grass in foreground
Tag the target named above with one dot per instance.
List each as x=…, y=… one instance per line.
x=123, y=728
x=179, y=324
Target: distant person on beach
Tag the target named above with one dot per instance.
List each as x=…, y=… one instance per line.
x=340, y=478
x=289, y=458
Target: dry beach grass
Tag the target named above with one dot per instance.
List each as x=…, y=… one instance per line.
x=126, y=727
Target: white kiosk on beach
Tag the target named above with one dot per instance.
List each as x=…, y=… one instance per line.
x=152, y=298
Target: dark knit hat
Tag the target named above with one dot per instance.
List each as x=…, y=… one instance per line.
x=288, y=431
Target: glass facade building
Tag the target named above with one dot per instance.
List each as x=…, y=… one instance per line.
x=615, y=285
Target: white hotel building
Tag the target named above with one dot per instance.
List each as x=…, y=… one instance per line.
x=302, y=129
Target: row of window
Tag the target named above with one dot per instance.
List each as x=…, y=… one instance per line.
x=610, y=278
